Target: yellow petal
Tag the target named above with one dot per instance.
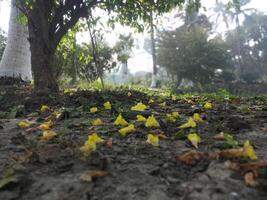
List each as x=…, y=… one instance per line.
x=153, y=140
x=140, y=118
x=94, y=138
x=88, y=148
x=207, y=105
x=151, y=122
x=194, y=139
x=48, y=135
x=23, y=124
x=189, y=124
x=93, y=109
x=162, y=104
x=249, y=151
x=127, y=130
x=44, y=108
x=107, y=105
x=175, y=114
x=174, y=98
x=46, y=125
x=139, y=107
x=151, y=101
x=197, y=118
x=97, y=122
x=120, y=121
x=170, y=118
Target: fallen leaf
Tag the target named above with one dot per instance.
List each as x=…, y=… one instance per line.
x=190, y=157
x=109, y=143
x=249, y=179
x=89, y=175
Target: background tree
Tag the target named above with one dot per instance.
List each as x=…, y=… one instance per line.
x=49, y=21
x=3, y=40
x=15, y=61
x=188, y=54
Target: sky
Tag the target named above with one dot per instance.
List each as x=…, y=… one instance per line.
x=140, y=61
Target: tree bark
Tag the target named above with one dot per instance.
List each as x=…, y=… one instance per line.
x=16, y=58
x=42, y=61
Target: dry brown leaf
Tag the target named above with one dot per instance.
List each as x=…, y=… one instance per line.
x=25, y=157
x=231, y=153
x=109, y=142
x=249, y=179
x=191, y=157
x=219, y=136
x=89, y=175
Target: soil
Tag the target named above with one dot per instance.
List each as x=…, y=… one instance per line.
x=130, y=168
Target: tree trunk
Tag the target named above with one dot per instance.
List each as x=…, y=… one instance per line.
x=42, y=60
x=153, y=50
x=16, y=58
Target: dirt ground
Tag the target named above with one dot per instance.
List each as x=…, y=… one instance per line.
x=129, y=168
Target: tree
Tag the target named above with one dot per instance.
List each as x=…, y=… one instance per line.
x=15, y=61
x=253, y=42
x=86, y=69
x=49, y=21
x=187, y=53
x=2, y=43
x=123, y=49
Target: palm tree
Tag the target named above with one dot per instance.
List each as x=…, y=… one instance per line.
x=232, y=13
x=16, y=57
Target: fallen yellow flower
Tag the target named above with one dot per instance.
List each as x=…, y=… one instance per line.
x=249, y=151
x=97, y=122
x=88, y=148
x=95, y=138
x=127, y=130
x=153, y=140
x=140, y=118
x=120, y=121
x=189, y=124
x=48, y=135
x=44, y=108
x=151, y=122
x=107, y=105
x=162, y=104
x=194, y=139
x=139, y=107
x=175, y=114
x=93, y=109
x=170, y=118
x=197, y=118
x=207, y=105
x=23, y=124
x=46, y=125
x=151, y=101
x=174, y=98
